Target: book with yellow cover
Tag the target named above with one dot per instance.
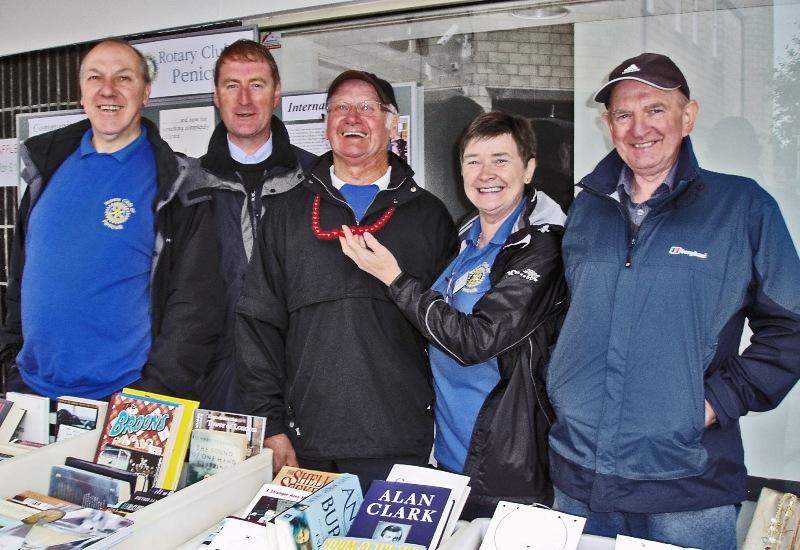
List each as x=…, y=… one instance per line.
x=168, y=478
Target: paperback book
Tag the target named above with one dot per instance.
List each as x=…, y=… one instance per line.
x=251, y=427
x=64, y=525
x=358, y=543
x=76, y=415
x=211, y=452
x=139, y=436
x=135, y=481
x=303, y=478
x=10, y=419
x=272, y=500
x=178, y=446
x=457, y=483
x=328, y=512
x=88, y=489
x=35, y=426
x=403, y=512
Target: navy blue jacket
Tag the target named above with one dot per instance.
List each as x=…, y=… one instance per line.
x=654, y=329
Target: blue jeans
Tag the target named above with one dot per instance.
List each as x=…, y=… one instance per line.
x=708, y=529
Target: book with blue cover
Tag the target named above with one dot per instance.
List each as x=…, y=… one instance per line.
x=328, y=512
x=403, y=512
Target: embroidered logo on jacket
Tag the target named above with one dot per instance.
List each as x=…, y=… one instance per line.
x=476, y=277
x=117, y=212
x=692, y=253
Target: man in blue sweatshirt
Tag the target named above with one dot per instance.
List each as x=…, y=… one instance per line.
x=113, y=278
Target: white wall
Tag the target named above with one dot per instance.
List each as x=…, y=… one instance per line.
x=27, y=25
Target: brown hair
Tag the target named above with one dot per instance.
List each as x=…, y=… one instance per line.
x=249, y=50
x=496, y=123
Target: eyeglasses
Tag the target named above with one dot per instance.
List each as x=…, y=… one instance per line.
x=363, y=108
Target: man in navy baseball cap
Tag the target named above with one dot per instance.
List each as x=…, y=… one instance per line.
x=664, y=261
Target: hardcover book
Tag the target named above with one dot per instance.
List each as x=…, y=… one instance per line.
x=170, y=476
x=328, y=512
x=252, y=427
x=140, y=499
x=139, y=436
x=88, y=489
x=457, y=483
x=403, y=512
x=211, y=452
x=358, y=543
x=272, y=500
x=303, y=478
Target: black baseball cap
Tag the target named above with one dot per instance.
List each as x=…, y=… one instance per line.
x=383, y=88
x=652, y=69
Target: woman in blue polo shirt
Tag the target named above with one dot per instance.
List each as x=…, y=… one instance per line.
x=490, y=318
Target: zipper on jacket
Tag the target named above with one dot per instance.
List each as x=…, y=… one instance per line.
x=254, y=215
x=629, y=259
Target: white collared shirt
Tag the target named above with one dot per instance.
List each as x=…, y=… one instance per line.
x=262, y=154
x=382, y=182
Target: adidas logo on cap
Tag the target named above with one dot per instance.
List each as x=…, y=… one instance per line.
x=633, y=68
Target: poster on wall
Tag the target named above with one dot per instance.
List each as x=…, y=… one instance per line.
x=303, y=115
x=8, y=162
x=183, y=65
x=34, y=124
x=187, y=130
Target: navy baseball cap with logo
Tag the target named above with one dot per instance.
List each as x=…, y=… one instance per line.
x=652, y=69
x=382, y=88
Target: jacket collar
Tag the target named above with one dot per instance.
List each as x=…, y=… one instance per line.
x=218, y=158
x=604, y=178
x=402, y=187
x=49, y=151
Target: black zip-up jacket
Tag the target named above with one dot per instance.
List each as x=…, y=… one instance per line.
x=185, y=287
x=237, y=215
x=515, y=321
x=324, y=353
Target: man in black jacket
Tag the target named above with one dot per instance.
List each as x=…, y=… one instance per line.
x=249, y=162
x=340, y=374
x=110, y=281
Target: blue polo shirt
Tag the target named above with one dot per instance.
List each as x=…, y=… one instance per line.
x=86, y=283
x=461, y=390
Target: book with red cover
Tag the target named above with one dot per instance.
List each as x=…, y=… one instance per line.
x=138, y=435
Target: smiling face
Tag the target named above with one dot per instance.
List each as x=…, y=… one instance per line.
x=495, y=176
x=246, y=95
x=113, y=94
x=647, y=126
x=357, y=139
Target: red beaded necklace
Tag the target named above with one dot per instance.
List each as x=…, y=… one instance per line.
x=356, y=229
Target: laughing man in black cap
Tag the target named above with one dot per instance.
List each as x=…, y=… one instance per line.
x=664, y=261
x=339, y=373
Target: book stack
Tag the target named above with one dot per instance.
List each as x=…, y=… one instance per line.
x=33, y=520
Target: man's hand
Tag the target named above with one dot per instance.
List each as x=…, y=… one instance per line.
x=370, y=255
x=711, y=416
x=282, y=452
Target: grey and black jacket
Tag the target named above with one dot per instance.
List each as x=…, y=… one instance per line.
x=237, y=215
x=515, y=321
x=185, y=287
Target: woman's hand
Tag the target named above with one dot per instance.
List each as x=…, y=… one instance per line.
x=370, y=255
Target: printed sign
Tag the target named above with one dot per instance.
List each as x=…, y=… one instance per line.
x=8, y=162
x=185, y=65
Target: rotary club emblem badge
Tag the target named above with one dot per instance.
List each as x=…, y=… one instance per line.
x=117, y=212
x=476, y=277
